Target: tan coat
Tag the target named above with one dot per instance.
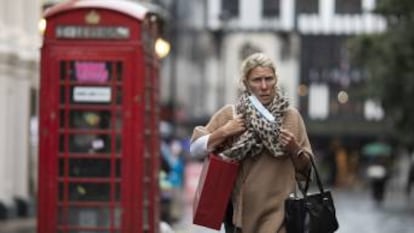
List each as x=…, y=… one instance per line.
x=263, y=182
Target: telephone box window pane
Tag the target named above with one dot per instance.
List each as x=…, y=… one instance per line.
x=62, y=94
x=118, y=143
x=80, y=119
x=89, y=217
x=119, y=95
x=62, y=70
x=118, y=120
x=119, y=71
x=61, y=213
x=66, y=70
x=118, y=217
x=61, y=191
x=62, y=119
x=117, y=192
x=61, y=167
x=61, y=143
x=89, y=192
x=89, y=168
x=118, y=168
x=90, y=143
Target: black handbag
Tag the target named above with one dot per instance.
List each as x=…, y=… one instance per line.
x=311, y=213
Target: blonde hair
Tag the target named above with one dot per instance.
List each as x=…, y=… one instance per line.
x=253, y=61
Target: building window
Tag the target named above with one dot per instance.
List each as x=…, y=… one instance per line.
x=348, y=7
x=325, y=64
x=271, y=8
x=229, y=9
x=307, y=6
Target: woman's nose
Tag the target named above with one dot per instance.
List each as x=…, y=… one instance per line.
x=263, y=84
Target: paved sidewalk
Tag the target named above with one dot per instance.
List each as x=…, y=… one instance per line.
x=18, y=225
x=355, y=210
x=186, y=226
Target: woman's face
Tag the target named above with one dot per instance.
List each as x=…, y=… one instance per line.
x=261, y=82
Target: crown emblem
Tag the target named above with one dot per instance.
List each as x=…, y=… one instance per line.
x=92, y=17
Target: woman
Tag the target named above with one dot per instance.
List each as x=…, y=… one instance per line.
x=271, y=148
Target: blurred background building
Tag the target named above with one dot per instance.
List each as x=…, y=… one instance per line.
x=307, y=40
x=209, y=38
x=19, y=60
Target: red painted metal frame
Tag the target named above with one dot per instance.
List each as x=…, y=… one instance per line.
x=133, y=56
x=126, y=7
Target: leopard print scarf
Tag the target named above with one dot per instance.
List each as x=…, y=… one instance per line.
x=260, y=132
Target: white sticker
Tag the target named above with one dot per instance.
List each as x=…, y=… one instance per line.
x=92, y=94
x=98, y=144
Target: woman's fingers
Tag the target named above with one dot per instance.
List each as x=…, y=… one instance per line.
x=235, y=126
x=286, y=137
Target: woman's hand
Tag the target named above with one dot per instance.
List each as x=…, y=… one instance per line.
x=234, y=126
x=288, y=141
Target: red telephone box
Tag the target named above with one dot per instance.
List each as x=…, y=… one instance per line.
x=99, y=140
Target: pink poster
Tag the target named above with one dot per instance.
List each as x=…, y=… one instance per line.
x=91, y=72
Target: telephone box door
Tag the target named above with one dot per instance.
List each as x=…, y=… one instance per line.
x=87, y=105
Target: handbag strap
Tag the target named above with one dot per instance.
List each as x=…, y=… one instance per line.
x=318, y=179
x=304, y=190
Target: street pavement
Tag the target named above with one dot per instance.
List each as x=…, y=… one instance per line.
x=356, y=213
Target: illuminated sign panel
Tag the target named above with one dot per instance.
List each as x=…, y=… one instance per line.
x=92, y=32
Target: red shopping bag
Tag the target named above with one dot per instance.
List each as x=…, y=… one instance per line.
x=213, y=191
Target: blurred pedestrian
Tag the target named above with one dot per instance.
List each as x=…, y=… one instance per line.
x=341, y=161
x=378, y=173
x=165, y=169
x=269, y=139
x=176, y=177
x=172, y=168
